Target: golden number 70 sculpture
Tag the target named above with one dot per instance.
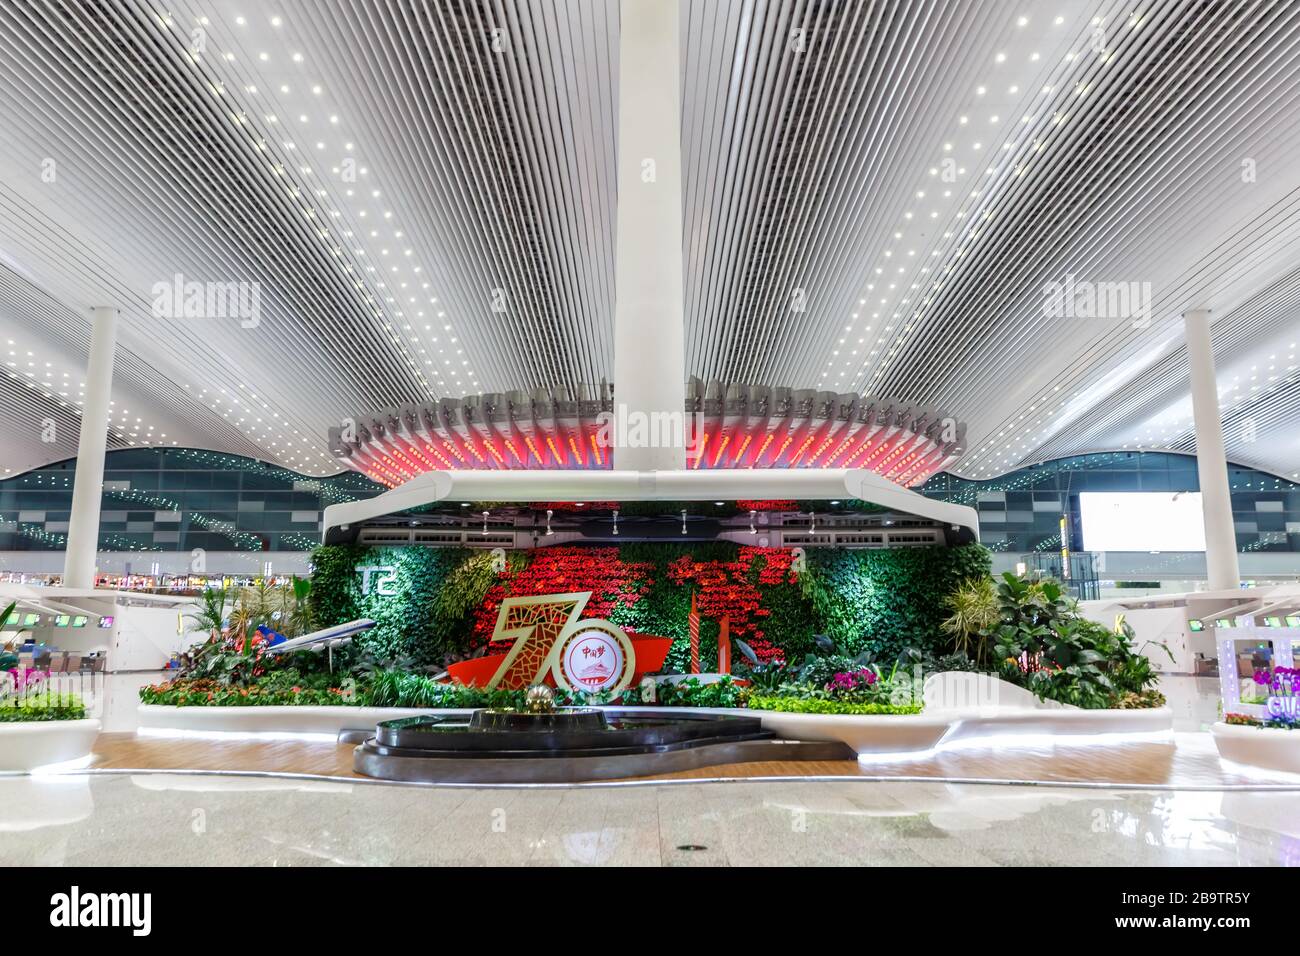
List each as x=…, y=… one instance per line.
x=550, y=636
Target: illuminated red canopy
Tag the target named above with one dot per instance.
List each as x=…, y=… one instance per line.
x=733, y=427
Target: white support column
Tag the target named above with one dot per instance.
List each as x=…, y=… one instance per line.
x=649, y=354
x=88, y=484
x=1211, y=461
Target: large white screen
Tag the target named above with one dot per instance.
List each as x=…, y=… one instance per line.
x=1142, y=521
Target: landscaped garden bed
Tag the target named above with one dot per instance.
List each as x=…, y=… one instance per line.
x=40, y=725
x=44, y=728
x=1265, y=738
x=1257, y=743
x=818, y=652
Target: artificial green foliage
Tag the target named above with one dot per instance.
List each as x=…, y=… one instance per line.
x=818, y=670
x=692, y=693
x=666, y=609
x=427, y=619
x=40, y=707
x=975, y=612
x=1042, y=643
x=884, y=601
x=793, y=620
x=1131, y=700
x=878, y=601
x=394, y=688
x=401, y=689
x=209, y=615
x=815, y=705
x=336, y=586
x=206, y=692
x=765, y=678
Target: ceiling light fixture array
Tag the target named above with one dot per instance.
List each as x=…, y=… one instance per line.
x=401, y=298
x=894, y=300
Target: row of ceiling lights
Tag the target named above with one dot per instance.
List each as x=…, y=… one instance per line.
x=454, y=374
x=858, y=359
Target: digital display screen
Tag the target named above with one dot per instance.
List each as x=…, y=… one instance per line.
x=31, y=620
x=1142, y=521
x=106, y=621
x=79, y=621
x=62, y=620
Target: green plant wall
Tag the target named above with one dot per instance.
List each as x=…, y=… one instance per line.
x=887, y=600
x=445, y=599
x=428, y=618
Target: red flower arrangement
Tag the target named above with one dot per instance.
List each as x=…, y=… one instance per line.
x=731, y=589
x=612, y=583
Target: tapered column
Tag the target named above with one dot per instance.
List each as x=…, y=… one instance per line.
x=649, y=355
x=1211, y=461
x=88, y=484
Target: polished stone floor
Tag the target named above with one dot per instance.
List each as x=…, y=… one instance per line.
x=142, y=818
x=189, y=819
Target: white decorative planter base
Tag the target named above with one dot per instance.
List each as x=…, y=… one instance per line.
x=269, y=722
x=961, y=709
x=1268, y=748
x=28, y=745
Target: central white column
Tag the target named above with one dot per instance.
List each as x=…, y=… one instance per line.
x=1211, y=461
x=649, y=351
x=88, y=483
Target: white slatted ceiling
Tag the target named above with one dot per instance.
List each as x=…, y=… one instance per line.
x=497, y=169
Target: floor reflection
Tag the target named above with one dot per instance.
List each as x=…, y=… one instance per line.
x=187, y=819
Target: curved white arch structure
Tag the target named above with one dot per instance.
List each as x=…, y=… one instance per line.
x=758, y=484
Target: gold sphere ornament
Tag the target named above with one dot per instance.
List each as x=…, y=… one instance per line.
x=539, y=699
